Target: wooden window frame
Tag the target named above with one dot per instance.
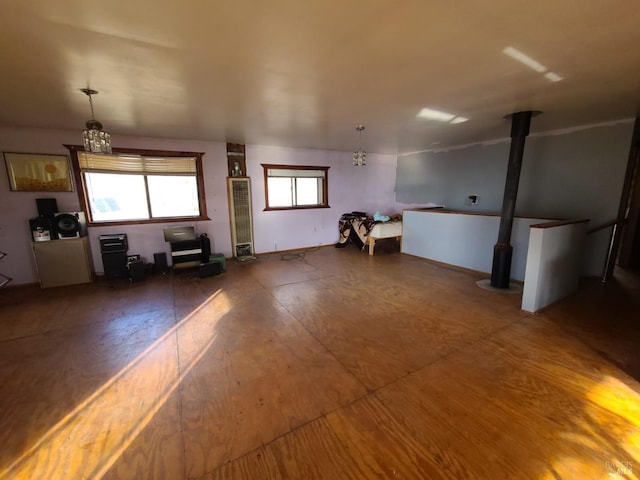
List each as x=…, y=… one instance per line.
x=82, y=194
x=325, y=186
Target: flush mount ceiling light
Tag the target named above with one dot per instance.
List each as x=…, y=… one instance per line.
x=524, y=59
x=459, y=120
x=360, y=157
x=95, y=140
x=552, y=77
x=439, y=116
x=532, y=63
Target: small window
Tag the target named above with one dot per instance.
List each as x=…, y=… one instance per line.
x=295, y=187
x=140, y=186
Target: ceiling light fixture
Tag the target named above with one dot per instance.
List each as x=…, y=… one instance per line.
x=524, y=59
x=95, y=140
x=531, y=63
x=459, y=120
x=439, y=116
x=360, y=157
x=431, y=114
x=553, y=77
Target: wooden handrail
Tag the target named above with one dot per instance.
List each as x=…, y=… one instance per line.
x=602, y=227
x=558, y=223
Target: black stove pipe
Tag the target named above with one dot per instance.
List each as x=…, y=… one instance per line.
x=503, y=251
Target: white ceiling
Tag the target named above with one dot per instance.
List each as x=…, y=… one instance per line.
x=304, y=73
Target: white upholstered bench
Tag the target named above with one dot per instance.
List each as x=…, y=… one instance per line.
x=384, y=230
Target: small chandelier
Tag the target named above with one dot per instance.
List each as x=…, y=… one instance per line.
x=360, y=157
x=95, y=140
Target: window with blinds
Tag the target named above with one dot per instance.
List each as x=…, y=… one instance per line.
x=295, y=187
x=134, y=187
x=136, y=164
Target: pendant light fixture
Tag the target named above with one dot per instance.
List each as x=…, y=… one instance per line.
x=95, y=140
x=360, y=157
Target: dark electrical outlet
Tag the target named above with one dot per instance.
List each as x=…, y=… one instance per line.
x=471, y=200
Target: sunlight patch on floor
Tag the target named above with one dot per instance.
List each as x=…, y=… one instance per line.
x=90, y=439
x=618, y=398
x=610, y=429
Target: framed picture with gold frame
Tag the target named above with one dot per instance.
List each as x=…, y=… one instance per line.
x=37, y=172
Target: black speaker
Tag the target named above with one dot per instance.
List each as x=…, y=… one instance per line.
x=160, y=262
x=47, y=207
x=71, y=224
x=115, y=265
x=42, y=229
x=205, y=245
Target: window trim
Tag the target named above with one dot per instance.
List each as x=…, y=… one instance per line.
x=325, y=186
x=82, y=193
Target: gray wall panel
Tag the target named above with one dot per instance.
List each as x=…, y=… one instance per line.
x=571, y=175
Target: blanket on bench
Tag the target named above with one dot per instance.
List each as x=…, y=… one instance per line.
x=355, y=228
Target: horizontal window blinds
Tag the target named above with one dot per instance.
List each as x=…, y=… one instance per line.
x=92, y=162
x=284, y=172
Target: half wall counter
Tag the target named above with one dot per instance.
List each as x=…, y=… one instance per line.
x=464, y=239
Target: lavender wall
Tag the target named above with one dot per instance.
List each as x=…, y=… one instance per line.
x=370, y=188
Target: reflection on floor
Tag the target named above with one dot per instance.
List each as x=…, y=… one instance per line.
x=336, y=365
